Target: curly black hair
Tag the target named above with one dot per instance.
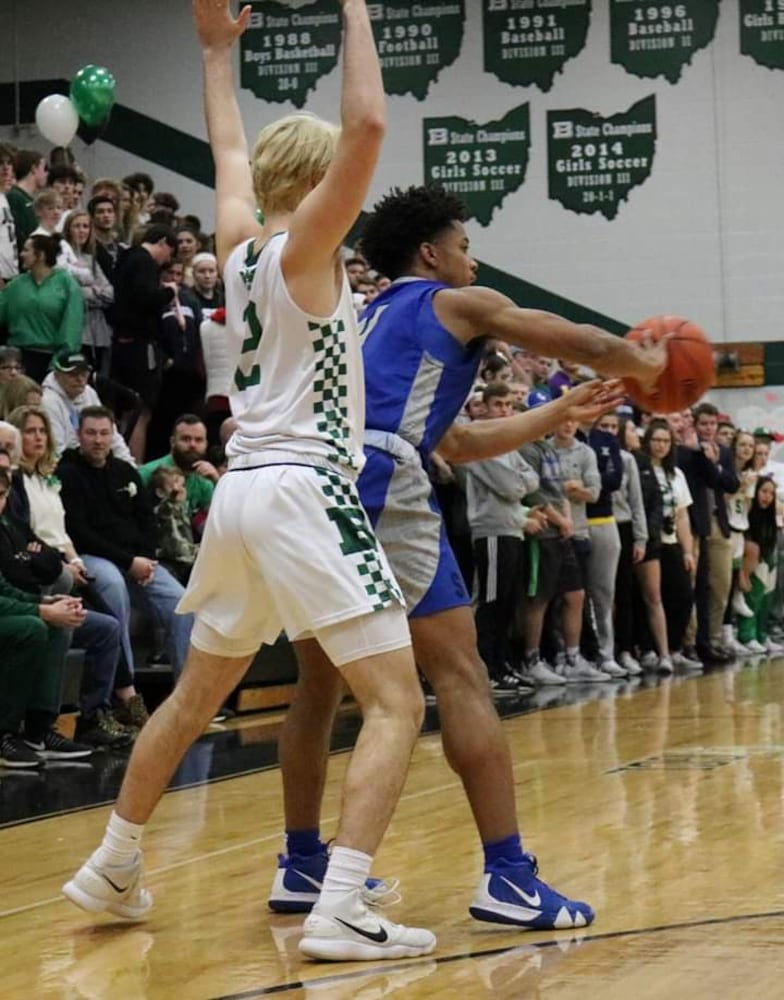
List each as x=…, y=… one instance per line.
x=402, y=221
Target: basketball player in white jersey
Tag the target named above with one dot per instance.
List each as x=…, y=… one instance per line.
x=287, y=544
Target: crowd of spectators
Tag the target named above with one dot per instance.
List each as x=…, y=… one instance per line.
x=648, y=542
x=644, y=543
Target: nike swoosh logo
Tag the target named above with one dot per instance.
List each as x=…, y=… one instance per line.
x=114, y=885
x=533, y=900
x=379, y=936
x=314, y=882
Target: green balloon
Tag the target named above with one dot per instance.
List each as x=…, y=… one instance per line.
x=92, y=94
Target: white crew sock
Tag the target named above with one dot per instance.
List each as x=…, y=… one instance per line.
x=121, y=841
x=347, y=871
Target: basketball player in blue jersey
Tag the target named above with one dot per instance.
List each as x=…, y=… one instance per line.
x=423, y=341
x=287, y=545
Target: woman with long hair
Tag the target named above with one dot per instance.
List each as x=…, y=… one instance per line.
x=97, y=290
x=23, y=391
x=757, y=576
x=37, y=500
x=42, y=308
x=673, y=573
x=188, y=245
x=742, y=447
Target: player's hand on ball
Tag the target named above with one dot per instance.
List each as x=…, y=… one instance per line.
x=651, y=360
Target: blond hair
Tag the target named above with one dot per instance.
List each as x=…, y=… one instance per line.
x=47, y=463
x=289, y=159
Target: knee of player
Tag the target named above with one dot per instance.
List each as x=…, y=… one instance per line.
x=462, y=675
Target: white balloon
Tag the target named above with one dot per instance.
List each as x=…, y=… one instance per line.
x=57, y=119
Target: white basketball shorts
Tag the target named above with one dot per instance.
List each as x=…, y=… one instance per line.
x=289, y=548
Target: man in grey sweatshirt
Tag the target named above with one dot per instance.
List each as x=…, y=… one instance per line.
x=495, y=488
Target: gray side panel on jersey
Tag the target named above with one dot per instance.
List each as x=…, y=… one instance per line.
x=409, y=531
x=420, y=399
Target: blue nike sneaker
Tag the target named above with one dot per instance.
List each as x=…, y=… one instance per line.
x=298, y=882
x=512, y=893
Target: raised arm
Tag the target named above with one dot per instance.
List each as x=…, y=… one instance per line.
x=475, y=311
x=487, y=438
x=320, y=223
x=235, y=205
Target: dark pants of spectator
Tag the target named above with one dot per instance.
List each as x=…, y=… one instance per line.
x=31, y=673
x=701, y=595
x=99, y=636
x=677, y=594
x=625, y=621
x=499, y=574
x=452, y=501
x=36, y=364
x=218, y=410
x=181, y=392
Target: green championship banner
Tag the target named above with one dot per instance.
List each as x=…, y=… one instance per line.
x=651, y=38
x=415, y=41
x=762, y=31
x=481, y=163
x=528, y=41
x=285, y=52
x=594, y=162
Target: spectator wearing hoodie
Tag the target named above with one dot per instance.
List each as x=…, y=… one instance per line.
x=110, y=519
x=67, y=391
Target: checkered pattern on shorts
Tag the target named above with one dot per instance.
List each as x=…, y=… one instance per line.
x=359, y=541
x=331, y=389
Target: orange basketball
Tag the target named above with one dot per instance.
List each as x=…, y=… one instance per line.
x=690, y=370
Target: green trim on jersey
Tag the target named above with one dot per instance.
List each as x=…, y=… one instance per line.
x=358, y=541
x=330, y=388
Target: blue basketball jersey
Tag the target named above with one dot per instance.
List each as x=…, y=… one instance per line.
x=417, y=375
x=417, y=378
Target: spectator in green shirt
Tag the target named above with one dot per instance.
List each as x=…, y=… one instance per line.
x=188, y=451
x=43, y=308
x=30, y=170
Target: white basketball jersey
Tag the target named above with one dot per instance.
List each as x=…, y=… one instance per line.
x=298, y=387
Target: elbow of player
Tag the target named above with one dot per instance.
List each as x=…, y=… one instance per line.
x=369, y=127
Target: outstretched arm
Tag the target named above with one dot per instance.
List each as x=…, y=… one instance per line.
x=235, y=208
x=487, y=438
x=474, y=312
x=321, y=222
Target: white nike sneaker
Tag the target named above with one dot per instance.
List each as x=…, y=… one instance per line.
x=541, y=673
x=352, y=933
x=117, y=889
x=753, y=646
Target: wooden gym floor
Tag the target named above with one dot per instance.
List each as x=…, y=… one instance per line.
x=662, y=806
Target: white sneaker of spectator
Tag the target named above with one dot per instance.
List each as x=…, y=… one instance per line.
x=578, y=669
x=739, y=605
x=732, y=642
x=614, y=669
x=649, y=660
x=755, y=647
x=684, y=663
x=773, y=648
x=542, y=674
x=630, y=665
